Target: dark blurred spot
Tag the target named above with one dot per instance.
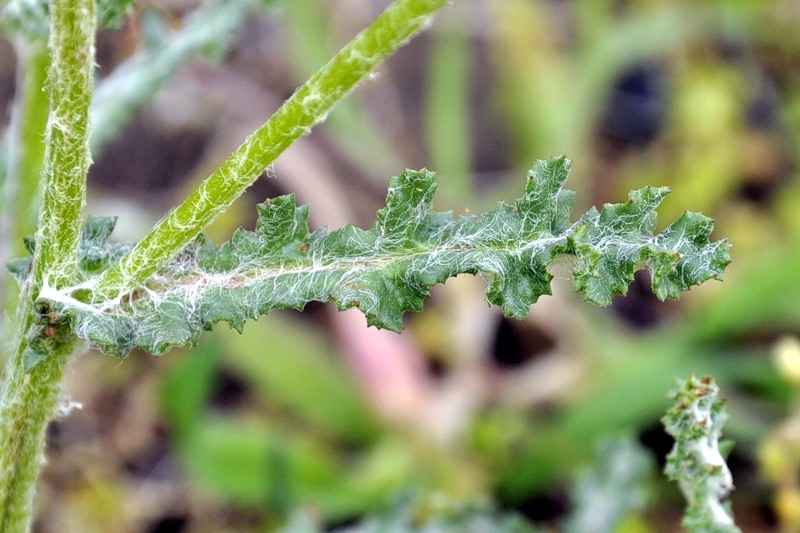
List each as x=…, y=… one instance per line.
x=656, y=439
x=345, y=523
x=767, y=513
x=640, y=307
x=169, y=524
x=229, y=391
x=437, y=367
x=54, y=436
x=756, y=192
x=636, y=107
x=517, y=343
x=544, y=508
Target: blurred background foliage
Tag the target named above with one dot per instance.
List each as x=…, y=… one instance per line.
x=311, y=420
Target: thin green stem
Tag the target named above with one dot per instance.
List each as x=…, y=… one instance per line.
x=447, y=113
x=33, y=123
x=25, y=156
x=67, y=156
x=308, y=106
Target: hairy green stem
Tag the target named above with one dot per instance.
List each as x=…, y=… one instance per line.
x=307, y=106
x=67, y=156
x=29, y=402
x=29, y=397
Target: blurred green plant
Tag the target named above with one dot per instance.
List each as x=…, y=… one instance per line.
x=407, y=518
x=697, y=461
x=614, y=490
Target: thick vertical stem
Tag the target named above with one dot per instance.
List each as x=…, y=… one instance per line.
x=307, y=106
x=29, y=395
x=29, y=401
x=67, y=158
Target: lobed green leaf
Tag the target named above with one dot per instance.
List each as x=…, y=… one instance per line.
x=387, y=270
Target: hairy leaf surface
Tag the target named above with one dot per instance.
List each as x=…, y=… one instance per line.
x=388, y=269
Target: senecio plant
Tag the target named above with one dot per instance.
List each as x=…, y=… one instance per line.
x=695, y=422
x=76, y=290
